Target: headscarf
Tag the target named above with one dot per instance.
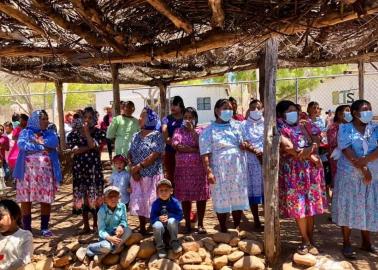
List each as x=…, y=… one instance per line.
x=33, y=122
x=152, y=121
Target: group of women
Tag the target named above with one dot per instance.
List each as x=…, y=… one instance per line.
x=222, y=160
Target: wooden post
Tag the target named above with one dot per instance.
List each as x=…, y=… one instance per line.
x=163, y=99
x=116, y=93
x=361, y=79
x=271, y=155
x=59, y=98
x=261, y=76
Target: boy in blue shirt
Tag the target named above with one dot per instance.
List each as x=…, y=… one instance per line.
x=166, y=214
x=121, y=178
x=112, y=226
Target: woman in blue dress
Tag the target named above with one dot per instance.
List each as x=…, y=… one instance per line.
x=222, y=151
x=355, y=197
x=253, y=134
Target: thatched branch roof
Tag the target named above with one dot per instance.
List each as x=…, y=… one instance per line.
x=157, y=41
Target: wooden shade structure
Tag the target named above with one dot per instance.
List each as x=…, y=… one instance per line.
x=158, y=42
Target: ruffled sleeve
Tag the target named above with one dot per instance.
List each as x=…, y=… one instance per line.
x=205, y=141
x=344, y=137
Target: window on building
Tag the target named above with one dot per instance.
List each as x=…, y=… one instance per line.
x=204, y=104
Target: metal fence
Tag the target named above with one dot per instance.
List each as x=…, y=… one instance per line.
x=328, y=91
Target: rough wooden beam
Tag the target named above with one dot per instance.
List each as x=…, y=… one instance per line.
x=78, y=29
x=12, y=36
x=26, y=51
x=94, y=21
x=163, y=99
x=21, y=17
x=217, y=20
x=271, y=157
x=179, y=22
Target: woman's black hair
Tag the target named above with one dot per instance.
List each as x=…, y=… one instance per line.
x=44, y=112
x=128, y=102
x=24, y=117
x=193, y=112
x=283, y=106
x=89, y=110
x=356, y=106
x=1, y=126
x=310, y=105
x=254, y=101
x=178, y=101
x=338, y=110
x=8, y=124
x=219, y=104
x=10, y=207
x=232, y=99
x=15, y=117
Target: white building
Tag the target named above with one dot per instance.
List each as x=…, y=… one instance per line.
x=200, y=97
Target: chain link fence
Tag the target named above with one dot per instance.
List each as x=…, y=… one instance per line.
x=328, y=91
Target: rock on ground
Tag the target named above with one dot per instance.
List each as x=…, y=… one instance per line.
x=251, y=247
x=190, y=257
x=221, y=261
x=128, y=256
x=249, y=263
x=304, y=260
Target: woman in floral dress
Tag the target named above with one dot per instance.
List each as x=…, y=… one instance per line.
x=253, y=134
x=221, y=147
x=145, y=155
x=88, y=180
x=189, y=170
x=37, y=169
x=301, y=180
x=355, y=196
x=342, y=116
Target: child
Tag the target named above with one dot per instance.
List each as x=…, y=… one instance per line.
x=166, y=214
x=121, y=178
x=112, y=226
x=16, y=245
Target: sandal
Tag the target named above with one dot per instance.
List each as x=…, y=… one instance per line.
x=302, y=249
x=348, y=253
x=201, y=230
x=84, y=231
x=370, y=248
x=46, y=233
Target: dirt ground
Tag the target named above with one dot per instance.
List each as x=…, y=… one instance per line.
x=65, y=225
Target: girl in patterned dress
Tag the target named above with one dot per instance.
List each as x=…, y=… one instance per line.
x=189, y=170
x=355, y=196
x=253, y=134
x=145, y=155
x=342, y=116
x=221, y=147
x=88, y=180
x=301, y=180
x=37, y=169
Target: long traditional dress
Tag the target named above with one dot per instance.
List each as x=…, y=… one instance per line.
x=228, y=164
x=354, y=203
x=122, y=129
x=190, y=177
x=88, y=180
x=301, y=182
x=253, y=132
x=144, y=190
x=332, y=145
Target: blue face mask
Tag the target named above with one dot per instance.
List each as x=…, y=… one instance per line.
x=366, y=116
x=348, y=117
x=291, y=118
x=226, y=115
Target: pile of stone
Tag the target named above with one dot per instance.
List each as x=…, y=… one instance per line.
x=311, y=262
x=219, y=251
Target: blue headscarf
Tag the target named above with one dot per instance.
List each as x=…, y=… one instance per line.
x=33, y=122
x=152, y=121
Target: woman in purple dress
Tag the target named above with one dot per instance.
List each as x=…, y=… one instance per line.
x=189, y=171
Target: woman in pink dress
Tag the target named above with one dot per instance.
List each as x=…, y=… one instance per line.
x=13, y=153
x=190, y=177
x=301, y=180
x=342, y=116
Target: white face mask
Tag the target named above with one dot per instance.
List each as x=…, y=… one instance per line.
x=348, y=116
x=255, y=115
x=291, y=118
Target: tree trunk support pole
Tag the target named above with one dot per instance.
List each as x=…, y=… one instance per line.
x=116, y=92
x=271, y=154
x=59, y=98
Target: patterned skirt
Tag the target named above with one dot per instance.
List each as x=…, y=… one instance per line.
x=255, y=180
x=38, y=184
x=143, y=194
